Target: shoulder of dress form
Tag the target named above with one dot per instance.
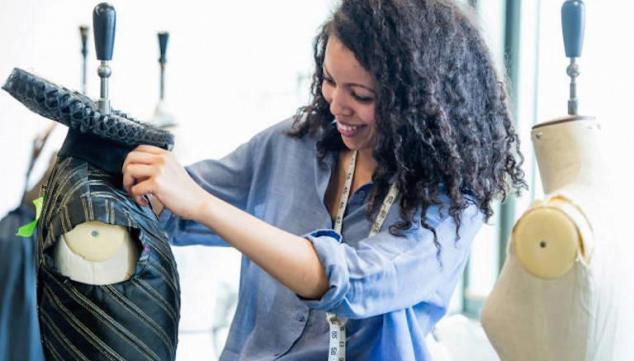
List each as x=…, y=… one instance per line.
x=96, y=253
x=96, y=241
x=551, y=236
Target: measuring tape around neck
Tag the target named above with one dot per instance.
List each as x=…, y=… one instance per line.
x=337, y=334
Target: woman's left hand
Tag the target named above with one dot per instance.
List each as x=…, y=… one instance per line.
x=150, y=170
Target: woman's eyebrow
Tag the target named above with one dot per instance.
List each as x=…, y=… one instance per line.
x=327, y=74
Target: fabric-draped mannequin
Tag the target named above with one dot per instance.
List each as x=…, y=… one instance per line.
x=91, y=315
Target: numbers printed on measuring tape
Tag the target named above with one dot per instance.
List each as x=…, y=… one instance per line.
x=338, y=326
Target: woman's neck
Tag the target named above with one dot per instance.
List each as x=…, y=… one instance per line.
x=364, y=169
x=366, y=161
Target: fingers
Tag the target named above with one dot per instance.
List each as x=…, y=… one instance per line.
x=157, y=206
x=138, y=165
x=136, y=156
x=134, y=173
x=140, y=190
x=142, y=158
x=150, y=149
x=140, y=170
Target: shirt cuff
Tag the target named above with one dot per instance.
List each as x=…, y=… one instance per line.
x=330, y=250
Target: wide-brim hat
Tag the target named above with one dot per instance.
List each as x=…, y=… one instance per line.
x=101, y=139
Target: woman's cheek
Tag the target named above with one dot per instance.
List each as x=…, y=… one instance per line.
x=326, y=91
x=368, y=115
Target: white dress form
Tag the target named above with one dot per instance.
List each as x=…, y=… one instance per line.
x=566, y=289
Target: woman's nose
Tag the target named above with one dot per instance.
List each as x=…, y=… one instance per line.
x=338, y=104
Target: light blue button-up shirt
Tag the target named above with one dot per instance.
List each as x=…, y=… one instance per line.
x=391, y=289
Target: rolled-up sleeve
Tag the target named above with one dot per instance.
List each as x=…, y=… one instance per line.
x=385, y=273
x=229, y=179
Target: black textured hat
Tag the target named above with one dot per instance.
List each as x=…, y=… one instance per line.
x=103, y=140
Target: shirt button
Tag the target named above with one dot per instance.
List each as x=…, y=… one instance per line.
x=301, y=318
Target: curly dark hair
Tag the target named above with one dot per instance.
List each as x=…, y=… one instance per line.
x=442, y=118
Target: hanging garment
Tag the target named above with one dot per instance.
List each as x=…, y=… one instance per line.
x=20, y=336
x=18, y=310
x=136, y=319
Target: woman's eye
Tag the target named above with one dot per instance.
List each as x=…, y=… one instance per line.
x=363, y=99
x=329, y=81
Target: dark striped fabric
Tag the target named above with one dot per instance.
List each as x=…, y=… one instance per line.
x=133, y=320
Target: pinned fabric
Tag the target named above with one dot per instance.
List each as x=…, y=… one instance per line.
x=136, y=319
x=132, y=320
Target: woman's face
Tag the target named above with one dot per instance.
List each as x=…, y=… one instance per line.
x=349, y=89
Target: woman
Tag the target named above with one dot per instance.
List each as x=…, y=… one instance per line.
x=406, y=143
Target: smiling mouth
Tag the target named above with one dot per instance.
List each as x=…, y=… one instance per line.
x=349, y=130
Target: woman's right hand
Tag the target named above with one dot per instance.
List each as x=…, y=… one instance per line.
x=156, y=205
x=153, y=171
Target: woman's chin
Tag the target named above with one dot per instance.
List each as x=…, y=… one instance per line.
x=350, y=144
x=354, y=144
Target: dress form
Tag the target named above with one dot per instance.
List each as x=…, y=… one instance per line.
x=98, y=318
x=17, y=253
x=565, y=290
x=93, y=252
x=162, y=116
x=569, y=157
